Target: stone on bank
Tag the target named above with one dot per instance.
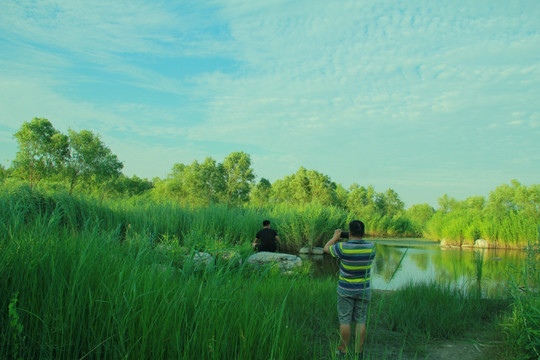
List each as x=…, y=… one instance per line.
x=286, y=262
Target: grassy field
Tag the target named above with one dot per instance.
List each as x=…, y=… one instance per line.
x=74, y=285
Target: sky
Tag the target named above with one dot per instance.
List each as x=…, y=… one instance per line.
x=423, y=97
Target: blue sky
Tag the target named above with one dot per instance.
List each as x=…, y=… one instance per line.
x=424, y=97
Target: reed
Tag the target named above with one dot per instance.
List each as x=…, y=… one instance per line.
x=430, y=310
x=89, y=297
x=463, y=227
x=522, y=326
x=74, y=287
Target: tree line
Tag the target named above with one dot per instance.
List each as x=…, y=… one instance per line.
x=80, y=162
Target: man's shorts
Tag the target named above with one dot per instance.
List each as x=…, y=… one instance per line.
x=352, y=308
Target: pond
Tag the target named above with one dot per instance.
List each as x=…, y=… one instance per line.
x=399, y=261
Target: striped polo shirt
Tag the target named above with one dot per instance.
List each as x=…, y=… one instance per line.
x=355, y=266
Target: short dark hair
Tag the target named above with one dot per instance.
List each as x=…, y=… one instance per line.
x=357, y=228
x=266, y=222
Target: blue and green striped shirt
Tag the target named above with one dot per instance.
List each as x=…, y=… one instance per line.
x=355, y=266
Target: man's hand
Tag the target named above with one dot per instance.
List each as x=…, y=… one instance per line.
x=333, y=240
x=337, y=235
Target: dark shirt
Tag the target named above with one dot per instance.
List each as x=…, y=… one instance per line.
x=267, y=240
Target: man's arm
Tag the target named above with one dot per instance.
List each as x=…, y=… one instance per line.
x=332, y=241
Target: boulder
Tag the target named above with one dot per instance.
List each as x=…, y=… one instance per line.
x=286, y=262
x=312, y=250
x=200, y=261
x=481, y=243
x=305, y=250
x=317, y=251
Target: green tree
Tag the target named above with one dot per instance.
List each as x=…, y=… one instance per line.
x=517, y=198
x=341, y=195
x=170, y=188
x=299, y=187
x=198, y=184
x=392, y=203
x=361, y=200
x=131, y=186
x=42, y=150
x=304, y=187
x=420, y=214
x=214, y=178
x=260, y=193
x=238, y=176
x=4, y=173
x=281, y=191
x=89, y=160
x=447, y=204
x=322, y=189
x=475, y=202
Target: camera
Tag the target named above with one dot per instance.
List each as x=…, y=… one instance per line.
x=344, y=234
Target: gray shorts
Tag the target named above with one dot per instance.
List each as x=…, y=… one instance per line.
x=352, y=308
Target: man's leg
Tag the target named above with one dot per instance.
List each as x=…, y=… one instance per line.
x=345, y=332
x=345, y=307
x=360, y=317
x=360, y=337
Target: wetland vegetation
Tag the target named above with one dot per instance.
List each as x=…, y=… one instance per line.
x=74, y=287
x=94, y=264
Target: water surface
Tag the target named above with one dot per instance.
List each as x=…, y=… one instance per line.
x=399, y=261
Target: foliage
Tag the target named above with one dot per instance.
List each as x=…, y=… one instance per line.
x=74, y=291
x=127, y=187
x=82, y=164
x=522, y=327
x=430, y=310
x=260, y=193
x=79, y=284
x=419, y=215
x=89, y=159
x=41, y=150
x=202, y=184
x=45, y=153
x=238, y=177
x=303, y=187
x=509, y=218
x=4, y=174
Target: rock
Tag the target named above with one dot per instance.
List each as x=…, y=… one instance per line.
x=200, y=261
x=305, y=250
x=312, y=250
x=481, y=243
x=285, y=262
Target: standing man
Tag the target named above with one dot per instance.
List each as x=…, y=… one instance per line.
x=266, y=239
x=353, y=288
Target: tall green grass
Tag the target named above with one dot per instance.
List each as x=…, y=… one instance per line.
x=522, y=325
x=69, y=288
x=463, y=227
x=86, y=296
x=436, y=310
x=310, y=225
